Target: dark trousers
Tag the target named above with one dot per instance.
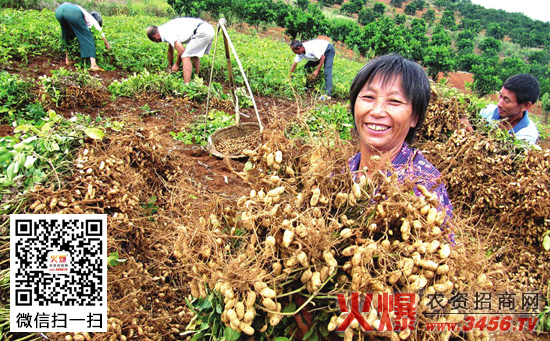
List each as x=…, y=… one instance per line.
x=329, y=61
x=72, y=23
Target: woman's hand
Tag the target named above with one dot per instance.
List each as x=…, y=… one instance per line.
x=107, y=45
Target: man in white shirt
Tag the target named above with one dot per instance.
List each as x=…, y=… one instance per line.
x=194, y=32
x=317, y=52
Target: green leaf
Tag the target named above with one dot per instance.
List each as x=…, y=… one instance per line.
x=46, y=128
x=198, y=336
x=53, y=115
x=206, y=304
x=323, y=330
x=230, y=334
x=248, y=166
x=291, y=307
x=38, y=175
x=29, y=162
x=282, y=338
x=17, y=161
x=94, y=133
x=51, y=146
x=546, y=242
x=113, y=259
x=9, y=171
x=311, y=335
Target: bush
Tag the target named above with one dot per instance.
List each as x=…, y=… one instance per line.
x=322, y=119
x=340, y=28
x=14, y=95
x=26, y=34
x=145, y=82
x=306, y=25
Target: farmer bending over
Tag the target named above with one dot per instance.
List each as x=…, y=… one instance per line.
x=76, y=21
x=194, y=32
x=517, y=96
x=318, y=52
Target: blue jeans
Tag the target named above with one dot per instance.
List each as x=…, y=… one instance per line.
x=329, y=61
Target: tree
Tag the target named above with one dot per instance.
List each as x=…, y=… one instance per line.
x=466, y=61
x=400, y=19
x=486, y=78
x=429, y=16
x=254, y=12
x=490, y=46
x=470, y=24
x=464, y=46
x=366, y=16
x=302, y=4
x=379, y=9
x=540, y=72
x=448, y=19
x=495, y=30
x=410, y=9
x=339, y=29
x=440, y=37
x=187, y=8
x=545, y=104
x=396, y=3
x=438, y=59
x=417, y=39
x=352, y=6
x=308, y=24
x=542, y=57
x=325, y=3
x=440, y=4
x=511, y=66
x=388, y=37
x=361, y=40
x=281, y=11
x=420, y=4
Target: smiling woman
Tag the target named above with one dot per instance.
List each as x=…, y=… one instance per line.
x=389, y=97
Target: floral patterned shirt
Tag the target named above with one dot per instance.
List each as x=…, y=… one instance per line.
x=412, y=165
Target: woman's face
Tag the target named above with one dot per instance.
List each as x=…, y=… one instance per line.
x=383, y=116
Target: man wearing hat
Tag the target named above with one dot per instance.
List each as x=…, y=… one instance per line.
x=76, y=21
x=194, y=32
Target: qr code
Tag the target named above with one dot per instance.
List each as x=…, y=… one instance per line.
x=58, y=273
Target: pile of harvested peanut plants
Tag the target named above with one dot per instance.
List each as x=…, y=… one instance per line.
x=308, y=229
x=507, y=197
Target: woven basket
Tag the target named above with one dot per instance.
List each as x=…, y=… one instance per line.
x=230, y=132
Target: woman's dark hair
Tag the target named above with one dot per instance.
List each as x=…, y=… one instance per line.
x=97, y=17
x=414, y=81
